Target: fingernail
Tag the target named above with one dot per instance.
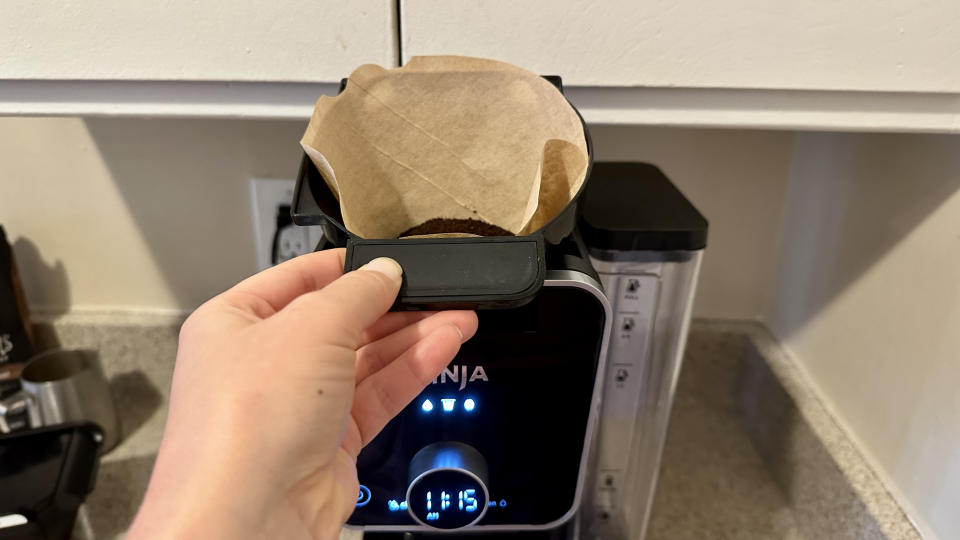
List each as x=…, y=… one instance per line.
x=459, y=332
x=385, y=266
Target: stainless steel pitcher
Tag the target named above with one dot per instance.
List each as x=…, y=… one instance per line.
x=62, y=386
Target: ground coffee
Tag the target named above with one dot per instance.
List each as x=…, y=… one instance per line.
x=464, y=226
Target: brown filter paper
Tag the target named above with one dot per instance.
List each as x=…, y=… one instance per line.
x=447, y=137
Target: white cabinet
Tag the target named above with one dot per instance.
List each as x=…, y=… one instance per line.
x=865, y=65
x=194, y=40
x=861, y=45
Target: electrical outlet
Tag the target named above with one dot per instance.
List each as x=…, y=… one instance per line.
x=277, y=238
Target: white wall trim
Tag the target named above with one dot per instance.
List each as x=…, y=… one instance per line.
x=687, y=107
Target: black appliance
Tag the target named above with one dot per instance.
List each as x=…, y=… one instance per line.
x=45, y=474
x=509, y=439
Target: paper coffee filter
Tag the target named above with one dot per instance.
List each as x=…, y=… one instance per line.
x=447, y=137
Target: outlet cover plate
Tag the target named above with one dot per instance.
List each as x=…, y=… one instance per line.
x=267, y=195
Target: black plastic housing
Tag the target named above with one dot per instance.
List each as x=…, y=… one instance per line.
x=46, y=474
x=450, y=273
x=447, y=273
x=632, y=206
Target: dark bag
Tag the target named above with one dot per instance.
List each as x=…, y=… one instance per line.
x=15, y=340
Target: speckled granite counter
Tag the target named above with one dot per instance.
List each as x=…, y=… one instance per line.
x=138, y=354
x=750, y=452
x=712, y=482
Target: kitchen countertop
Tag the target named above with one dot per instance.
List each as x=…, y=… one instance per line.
x=715, y=480
x=138, y=355
x=713, y=484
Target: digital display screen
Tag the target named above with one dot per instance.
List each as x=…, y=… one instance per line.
x=447, y=499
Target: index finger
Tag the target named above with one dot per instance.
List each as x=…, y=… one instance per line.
x=270, y=291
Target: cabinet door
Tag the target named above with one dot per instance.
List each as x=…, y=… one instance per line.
x=194, y=40
x=895, y=45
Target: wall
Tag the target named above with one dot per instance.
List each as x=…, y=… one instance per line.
x=868, y=301
x=738, y=181
x=135, y=213
x=155, y=213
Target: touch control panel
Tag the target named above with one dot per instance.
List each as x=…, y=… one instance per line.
x=498, y=439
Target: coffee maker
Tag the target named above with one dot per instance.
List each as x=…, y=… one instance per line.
x=550, y=421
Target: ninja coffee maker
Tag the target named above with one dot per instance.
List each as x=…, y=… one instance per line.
x=551, y=420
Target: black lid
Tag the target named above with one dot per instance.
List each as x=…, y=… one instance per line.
x=635, y=207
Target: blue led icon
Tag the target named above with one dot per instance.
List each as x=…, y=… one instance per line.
x=395, y=506
x=469, y=405
x=363, y=496
x=503, y=503
x=427, y=405
x=448, y=404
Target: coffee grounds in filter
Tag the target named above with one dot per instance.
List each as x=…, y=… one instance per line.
x=462, y=226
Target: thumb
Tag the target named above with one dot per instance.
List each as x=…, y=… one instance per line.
x=339, y=313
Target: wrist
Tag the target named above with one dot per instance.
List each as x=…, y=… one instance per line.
x=184, y=513
x=195, y=496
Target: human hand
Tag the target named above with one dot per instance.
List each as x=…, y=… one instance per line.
x=279, y=383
